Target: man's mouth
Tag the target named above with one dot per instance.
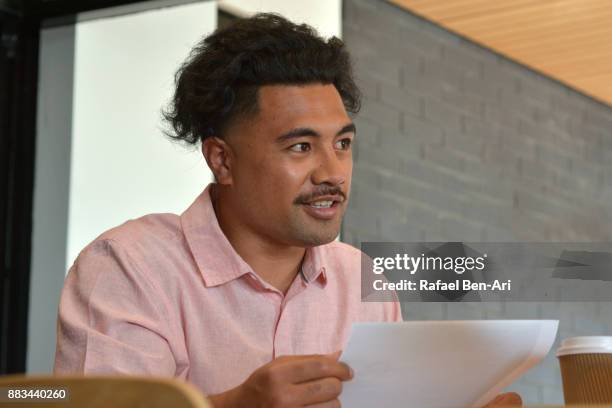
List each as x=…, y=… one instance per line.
x=324, y=208
x=322, y=204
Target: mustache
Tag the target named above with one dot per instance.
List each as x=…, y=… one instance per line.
x=323, y=191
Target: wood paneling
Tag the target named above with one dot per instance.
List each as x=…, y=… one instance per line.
x=569, y=40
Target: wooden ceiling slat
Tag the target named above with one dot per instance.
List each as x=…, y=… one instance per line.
x=492, y=8
x=536, y=38
x=569, y=40
x=593, y=87
x=455, y=8
x=589, y=65
x=596, y=92
x=519, y=31
x=528, y=16
x=565, y=49
x=479, y=11
x=597, y=77
x=596, y=56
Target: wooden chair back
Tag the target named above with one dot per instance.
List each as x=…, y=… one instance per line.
x=103, y=392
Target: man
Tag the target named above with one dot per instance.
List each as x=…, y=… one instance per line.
x=246, y=294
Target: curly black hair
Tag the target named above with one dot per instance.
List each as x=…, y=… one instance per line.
x=220, y=79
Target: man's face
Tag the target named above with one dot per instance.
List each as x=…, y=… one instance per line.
x=292, y=164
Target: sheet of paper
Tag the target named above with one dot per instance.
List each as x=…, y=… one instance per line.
x=440, y=364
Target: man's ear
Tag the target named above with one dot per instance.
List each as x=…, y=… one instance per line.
x=218, y=156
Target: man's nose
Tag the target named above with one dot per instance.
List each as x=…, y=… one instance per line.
x=331, y=169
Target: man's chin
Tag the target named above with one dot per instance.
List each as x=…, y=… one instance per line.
x=318, y=238
x=313, y=232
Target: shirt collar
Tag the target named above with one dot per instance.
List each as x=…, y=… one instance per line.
x=217, y=260
x=312, y=266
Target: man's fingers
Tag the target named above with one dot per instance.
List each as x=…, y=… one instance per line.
x=319, y=391
x=329, y=404
x=335, y=355
x=509, y=399
x=298, y=357
x=317, y=367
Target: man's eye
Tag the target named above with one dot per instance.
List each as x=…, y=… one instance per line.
x=344, y=144
x=300, y=147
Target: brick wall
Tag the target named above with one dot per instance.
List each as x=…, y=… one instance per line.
x=457, y=143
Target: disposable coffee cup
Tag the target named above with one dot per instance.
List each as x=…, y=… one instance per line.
x=586, y=369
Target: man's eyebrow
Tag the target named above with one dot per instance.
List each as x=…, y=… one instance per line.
x=297, y=132
x=304, y=131
x=350, y=128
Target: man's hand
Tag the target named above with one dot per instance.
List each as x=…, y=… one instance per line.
x=509, y=399
x=290, y=381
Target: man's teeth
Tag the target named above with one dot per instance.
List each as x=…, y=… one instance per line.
x=322, y=204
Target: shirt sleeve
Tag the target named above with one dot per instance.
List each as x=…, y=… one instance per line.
x=112, y=319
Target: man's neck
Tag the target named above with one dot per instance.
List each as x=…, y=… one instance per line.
x=276, y=264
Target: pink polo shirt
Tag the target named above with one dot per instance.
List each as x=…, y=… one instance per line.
x=168, y=295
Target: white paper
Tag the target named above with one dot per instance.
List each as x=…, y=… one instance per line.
x=440, y=364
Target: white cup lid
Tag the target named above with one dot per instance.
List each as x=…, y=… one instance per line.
x=584, y=345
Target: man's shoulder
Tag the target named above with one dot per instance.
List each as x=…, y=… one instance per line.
x=139, y=246
x=149, y=238
x=146, y=230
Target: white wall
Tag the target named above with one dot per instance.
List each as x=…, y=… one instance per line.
x=324, y=15
x=121, y=165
